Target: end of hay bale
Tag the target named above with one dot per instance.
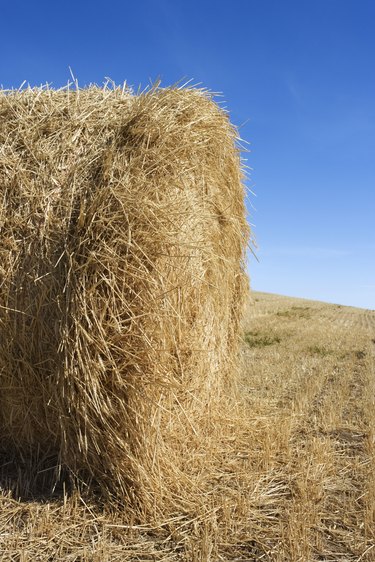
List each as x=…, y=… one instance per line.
x=122, y=242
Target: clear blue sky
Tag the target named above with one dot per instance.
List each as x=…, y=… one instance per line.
x=298, y=75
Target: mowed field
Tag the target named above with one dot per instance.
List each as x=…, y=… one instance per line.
x=310, y=366
x=294, y=481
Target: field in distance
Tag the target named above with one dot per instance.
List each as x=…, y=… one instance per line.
x=296, y=483
x=310, y=366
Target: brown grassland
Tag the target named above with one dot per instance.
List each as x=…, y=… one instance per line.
x=294, y=480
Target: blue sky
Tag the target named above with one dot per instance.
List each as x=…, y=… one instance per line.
x=298, y=77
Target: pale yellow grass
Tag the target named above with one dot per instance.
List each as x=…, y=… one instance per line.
x=294, y=480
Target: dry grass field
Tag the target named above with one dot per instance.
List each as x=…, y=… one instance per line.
x=294, y=480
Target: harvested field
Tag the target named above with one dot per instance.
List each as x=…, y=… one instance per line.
x=294, y=480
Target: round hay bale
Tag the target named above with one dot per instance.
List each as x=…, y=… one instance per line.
x=122, y=240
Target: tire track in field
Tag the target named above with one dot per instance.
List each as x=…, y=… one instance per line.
x=353, y=318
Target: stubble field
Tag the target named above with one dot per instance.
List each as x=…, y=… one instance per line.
x=294, y=481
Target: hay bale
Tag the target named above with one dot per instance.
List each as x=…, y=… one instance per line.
x=122, y=236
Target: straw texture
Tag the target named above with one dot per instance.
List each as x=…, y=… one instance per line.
x=122, y=238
